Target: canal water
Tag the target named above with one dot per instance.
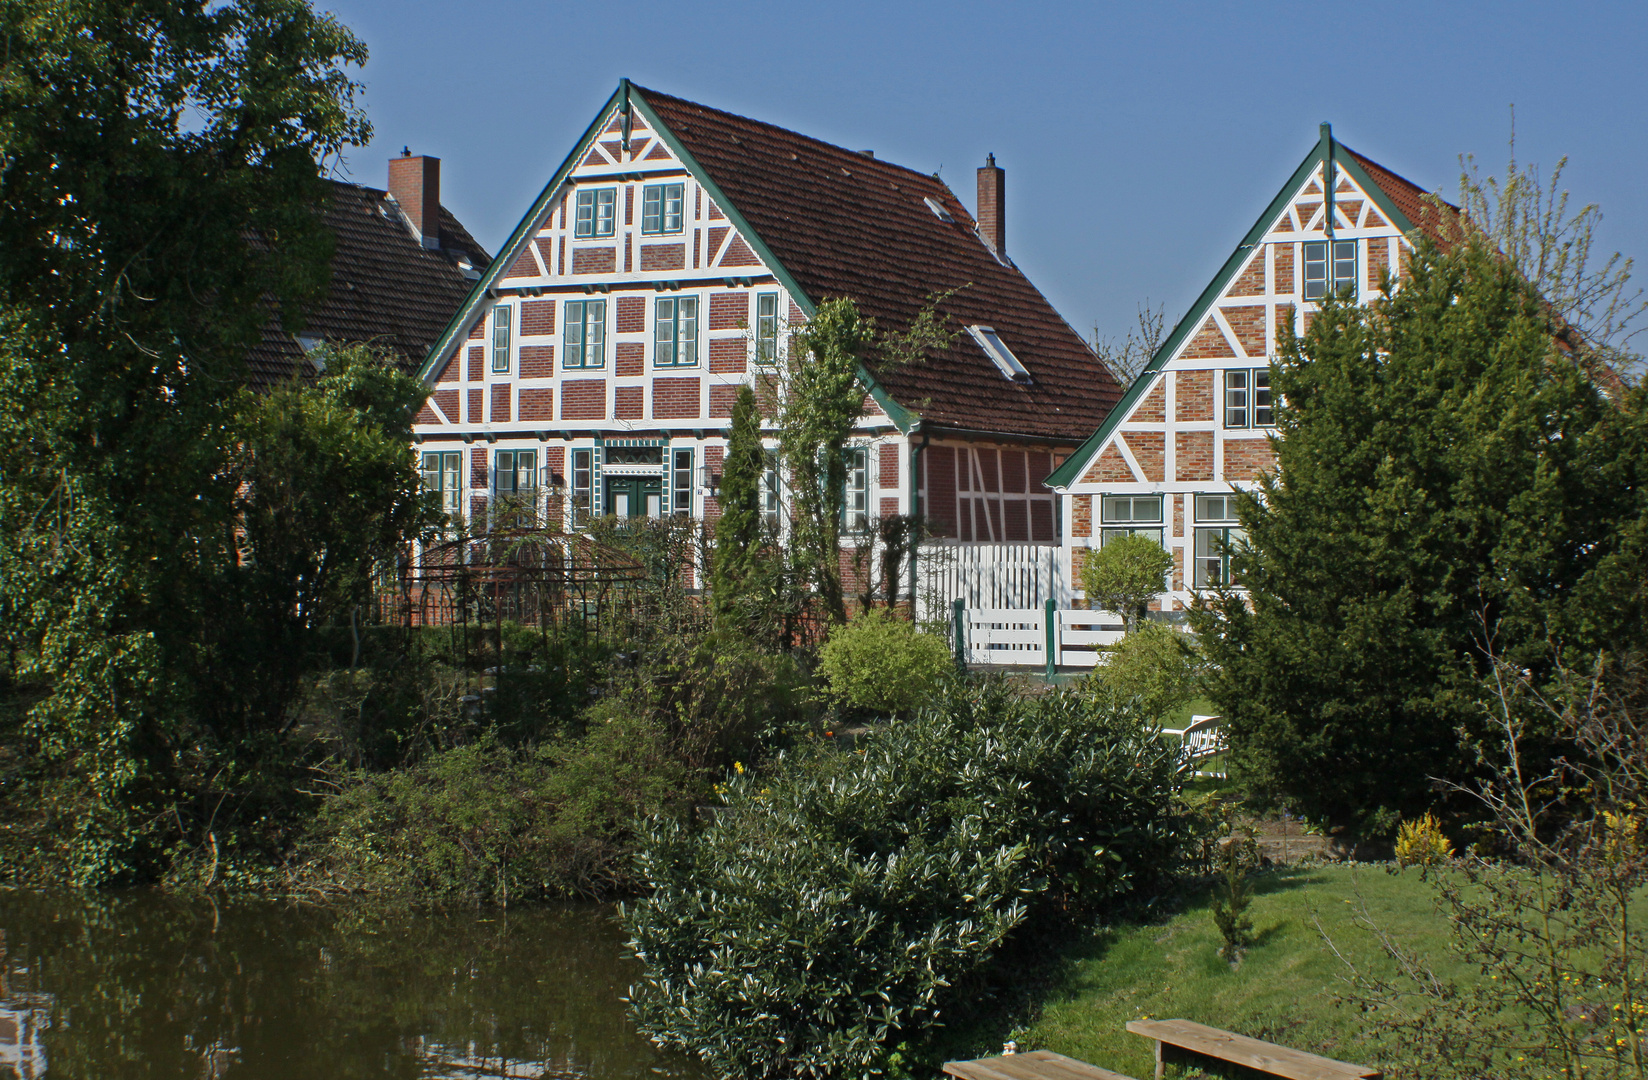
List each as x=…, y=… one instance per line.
x=151, y=987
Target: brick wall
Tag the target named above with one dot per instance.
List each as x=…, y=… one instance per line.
x=727, y=355
x=630, y=314
x=449, y=373
x=1283, y=274
x=1150, y=451
x=939, y=465
x=655, y=257
x=1378, y=262
x=1194, y=395
x=722, y=399
x=629, y=358
x=537, y=403
x=537, y=361
x=447, y=402
x=729, y=310
x=1248, y=324
x=537, y=317
x=887, y=468
x=1153, y=409
x=1109, y=468
x=1245, y=459
x=1081, y=515
x=603, y=260
x=1041, y=521
x=1252, y=280
x=1208, y=342
x=473, y=414
x=676, y=399
x=629, y=402
x=477, y=467
x=1193, y=455
x=1014, y=477
x=477, y=363
x=501, y=401
x=584, y=399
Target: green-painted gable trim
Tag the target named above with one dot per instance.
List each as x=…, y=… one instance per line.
x=903, y=418
x=517, y=239
x=1077, y=463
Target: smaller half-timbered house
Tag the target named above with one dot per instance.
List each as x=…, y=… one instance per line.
x=1197, y=424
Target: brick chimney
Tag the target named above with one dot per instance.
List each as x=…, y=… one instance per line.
x=415, y=182
x=992, y=210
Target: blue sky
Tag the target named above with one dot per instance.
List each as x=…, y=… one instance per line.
x=1140, y=140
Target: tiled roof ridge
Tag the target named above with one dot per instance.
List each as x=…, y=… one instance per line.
x=855, y=155
x=1380, y=173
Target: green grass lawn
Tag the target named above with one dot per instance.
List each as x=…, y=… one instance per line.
x=1283, y=991
x=1180, y=717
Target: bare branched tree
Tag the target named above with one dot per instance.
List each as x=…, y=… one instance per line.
x=1126, y=358
x=1528, y=217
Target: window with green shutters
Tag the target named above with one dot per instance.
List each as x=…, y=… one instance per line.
x=855, y=503
x=1130, y=515
x=1247, y=398
x=584, y=335
x=1329, y=270
x=675, y=332
x=502, y=317
x=681, y=483
x=766, y=328
x=442, y=472
x=661, y=208
x=595, y=212
x=583, y=486
x=1216, y=536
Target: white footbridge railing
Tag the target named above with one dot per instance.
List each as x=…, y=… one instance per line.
x=1203, y=740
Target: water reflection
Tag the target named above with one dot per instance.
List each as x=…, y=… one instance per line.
x=137, y=985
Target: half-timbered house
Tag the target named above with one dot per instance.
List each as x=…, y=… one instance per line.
x=1197, y=424
x=594, y=366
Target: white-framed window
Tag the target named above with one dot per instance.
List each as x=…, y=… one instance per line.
x=502, y=326
x=584, y=335
x=675, y=331
x=661, y=208
x=1329, y=270
x=595, y=213
x=855, y=502
x=680, y=481
x=1216, y=538
x=771, y=489
x=1248, y=401
x=1130, y=515
x=442, y=474
x=766, y=328
x=583, y=485
x=515, y=473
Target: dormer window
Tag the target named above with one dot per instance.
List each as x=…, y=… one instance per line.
x=999, y=353
x=595, y=212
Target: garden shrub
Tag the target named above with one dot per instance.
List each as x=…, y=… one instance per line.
x=488, y=822
x=881, y=664
x=1155, y=668
x=846, y=903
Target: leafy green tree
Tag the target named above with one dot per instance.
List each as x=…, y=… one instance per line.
x=1450, y=481
x=738, y=532
x=1124, y=574
x=164, y=168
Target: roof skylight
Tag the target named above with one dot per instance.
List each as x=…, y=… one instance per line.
x=938, y=209
x=999, y=353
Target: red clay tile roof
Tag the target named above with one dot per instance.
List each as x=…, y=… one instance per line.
x=848, y=225
x=1408, y=196
x=386, y=287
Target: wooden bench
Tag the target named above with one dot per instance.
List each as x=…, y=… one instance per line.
x=1251, y=1053
x=1035, y=1065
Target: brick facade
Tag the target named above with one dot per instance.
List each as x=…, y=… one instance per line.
x=676, y=399
x=584, y=399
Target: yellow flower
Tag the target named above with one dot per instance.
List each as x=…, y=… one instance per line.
x=738, y=767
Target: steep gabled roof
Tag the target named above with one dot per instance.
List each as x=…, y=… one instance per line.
x=1401, y=201
x=833, y=222
x=386, y=287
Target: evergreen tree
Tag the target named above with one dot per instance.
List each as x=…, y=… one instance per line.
x=738, y=532
x=1449, y=481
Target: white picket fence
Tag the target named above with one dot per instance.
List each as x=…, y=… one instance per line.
x=1025, y=637
x=996, y=576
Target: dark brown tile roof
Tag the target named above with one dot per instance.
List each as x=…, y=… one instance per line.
x=386, y=287
x=1408, y=197
x=848, y=225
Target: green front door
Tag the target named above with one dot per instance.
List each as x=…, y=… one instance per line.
x=635, y=496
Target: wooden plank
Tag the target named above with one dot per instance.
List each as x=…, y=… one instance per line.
x=1253, y=1053
x=1035, y=1065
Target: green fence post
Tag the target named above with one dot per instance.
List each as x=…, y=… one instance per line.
x=959, y=609
x=1052, y=636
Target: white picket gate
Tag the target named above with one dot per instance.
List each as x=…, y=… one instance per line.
x=1024, y=637
x=997, y=576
